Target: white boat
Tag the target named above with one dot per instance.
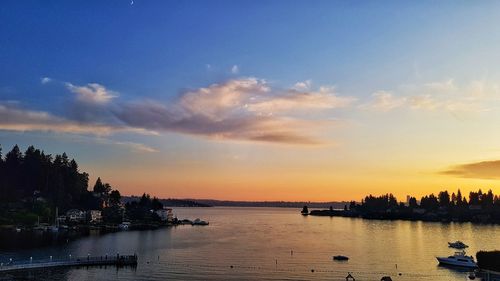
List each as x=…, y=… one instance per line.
x=457, y=245
x=458, y=259
x=124, y=225
x=199, y=222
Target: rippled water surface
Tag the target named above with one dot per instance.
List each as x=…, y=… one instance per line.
x=257, y=244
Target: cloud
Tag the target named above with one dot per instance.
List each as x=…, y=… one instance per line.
x=303, y=85
x=235, y=69
x=45, y=80
x=441, y=86
x=239, y=109
x=292, y=100
x=435, y=96
x=92, y=93
x=385, y=101
x=478, y=170
x=16, y=119
x=247, y=109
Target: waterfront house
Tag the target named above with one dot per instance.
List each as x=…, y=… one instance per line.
x=165, y=214
x=95, y=216
x=75, y=216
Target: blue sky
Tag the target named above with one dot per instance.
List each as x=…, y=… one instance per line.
x=123, y=67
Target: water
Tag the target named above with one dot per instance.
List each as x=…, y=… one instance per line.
x=257, y=243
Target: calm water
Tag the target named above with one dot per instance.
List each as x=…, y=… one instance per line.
x=251, y=240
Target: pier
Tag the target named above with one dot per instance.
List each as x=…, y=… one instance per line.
x=115, y=260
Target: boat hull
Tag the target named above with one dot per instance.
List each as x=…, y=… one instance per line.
x=447, y=261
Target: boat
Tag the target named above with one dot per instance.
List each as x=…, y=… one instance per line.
x=199, y=222
x=340, y=258
x=124, y=225
x=458, y=259
x=457, y=245
x=305, y=211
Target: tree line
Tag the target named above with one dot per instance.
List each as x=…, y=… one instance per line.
x=34, y=183
x=477, y=206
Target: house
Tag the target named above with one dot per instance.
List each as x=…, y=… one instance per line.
x=165, y=214
x=95, y=216
x=75, y=215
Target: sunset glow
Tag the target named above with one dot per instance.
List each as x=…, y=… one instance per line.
x=339, y=104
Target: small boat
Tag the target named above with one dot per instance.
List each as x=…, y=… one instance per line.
x=124, y=225
x=457, y=245
x=199, y=222
x=340, y=258
x=305, y=211
x=458, y=259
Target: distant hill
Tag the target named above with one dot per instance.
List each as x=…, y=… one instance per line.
x=170, y=202
x=188, y=202
x=281, y=204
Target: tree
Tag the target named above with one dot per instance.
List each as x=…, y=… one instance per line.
x=413, y=202
x=459, y=198
x=429, y=202
x=474, y=198
x=444, y=199
x=98, y=186
x=114, y=197
x=156, y=204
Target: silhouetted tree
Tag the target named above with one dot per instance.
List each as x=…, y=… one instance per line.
x=413, y=202
x=444, y=199
x=115, y=197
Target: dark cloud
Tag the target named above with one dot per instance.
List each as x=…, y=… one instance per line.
x=479, y=170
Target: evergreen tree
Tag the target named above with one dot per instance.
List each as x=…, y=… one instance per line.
x=98, y=186
x=444, y=199
x=114, y=197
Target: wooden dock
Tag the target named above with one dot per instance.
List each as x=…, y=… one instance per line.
x=118, y=260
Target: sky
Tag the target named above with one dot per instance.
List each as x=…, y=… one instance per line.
x=258, y=100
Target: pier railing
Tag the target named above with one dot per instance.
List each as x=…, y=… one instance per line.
x=118, y=260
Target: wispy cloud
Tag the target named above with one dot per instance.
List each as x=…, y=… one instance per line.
x=92, y=93
x=235, y=69
x=303, y=85
x=45, y=80
x=385, y=101
x=242, y=109
x=17, y=119
x=478, y=170
x=441, y=95
x=238, y=109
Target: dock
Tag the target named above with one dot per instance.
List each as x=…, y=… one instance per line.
x=113, y=260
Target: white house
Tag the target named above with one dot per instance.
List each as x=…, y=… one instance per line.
x=95, y=216
x=75, y=215
x=165, y=214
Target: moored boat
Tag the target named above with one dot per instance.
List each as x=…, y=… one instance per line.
x=457, y=245
x=458, y=259
x=340, y=258
x=199, y=222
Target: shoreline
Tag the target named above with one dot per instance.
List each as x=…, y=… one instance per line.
x=395, y=216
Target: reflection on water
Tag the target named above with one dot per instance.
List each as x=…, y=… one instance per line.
x=274, y=244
